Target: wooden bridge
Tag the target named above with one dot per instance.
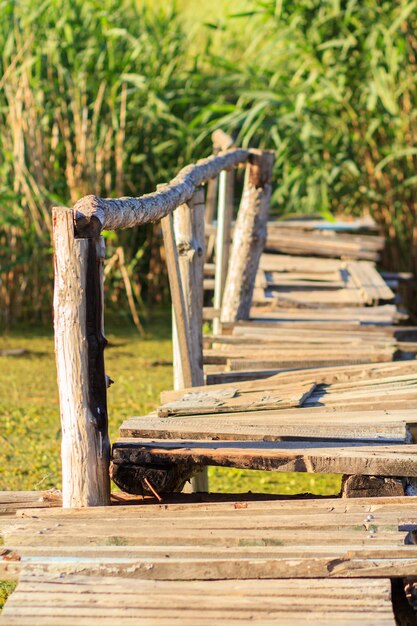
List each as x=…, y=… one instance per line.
x=310, y=368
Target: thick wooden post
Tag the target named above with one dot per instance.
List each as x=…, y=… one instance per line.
x=249, y=237
x=79, y=347
x=224, y=224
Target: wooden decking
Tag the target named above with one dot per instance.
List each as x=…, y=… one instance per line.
x=322, y=378
x=234, y=560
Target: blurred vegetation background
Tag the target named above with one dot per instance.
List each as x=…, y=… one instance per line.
x=113, y=97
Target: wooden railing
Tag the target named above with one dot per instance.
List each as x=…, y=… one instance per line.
x=79, y=307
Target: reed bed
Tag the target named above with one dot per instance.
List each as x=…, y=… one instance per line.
x=113, y=98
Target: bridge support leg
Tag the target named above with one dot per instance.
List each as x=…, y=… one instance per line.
x=79, y=347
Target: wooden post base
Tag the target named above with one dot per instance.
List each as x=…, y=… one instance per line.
x=138, y=479
x=358, y=486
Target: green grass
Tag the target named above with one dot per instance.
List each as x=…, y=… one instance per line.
x=6, y=589
x=141, y=368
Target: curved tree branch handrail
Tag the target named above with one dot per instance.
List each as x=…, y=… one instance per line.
x=93, y=214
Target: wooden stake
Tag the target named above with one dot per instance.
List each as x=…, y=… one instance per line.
x=178, y=301
x=224, y=223
x=189, y=237
x=249, y=237
x=79, y=347
x=211, y=200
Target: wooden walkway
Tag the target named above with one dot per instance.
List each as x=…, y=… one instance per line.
x=321, y=378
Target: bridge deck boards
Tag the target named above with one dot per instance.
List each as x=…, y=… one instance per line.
x=205, y=559
x=58, y=600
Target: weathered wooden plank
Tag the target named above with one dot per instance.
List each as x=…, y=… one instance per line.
x=269, y=429
x=371, y=372
x=366, y=277
x=283, y=562
x=272, y=456
x=385, y=313
x=233, y=602
x=230, y=400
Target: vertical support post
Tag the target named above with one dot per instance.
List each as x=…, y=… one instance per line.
x=211, y=200
x=189, y=237
x=79, y=349
x=183, y=338
x=249, y=236
x=224, y=224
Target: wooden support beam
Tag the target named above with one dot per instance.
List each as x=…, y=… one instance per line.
x=224, y=223
x=178, y=301
x=189, y=237
x=249, y=237
x=211, y=199
x=79, y=347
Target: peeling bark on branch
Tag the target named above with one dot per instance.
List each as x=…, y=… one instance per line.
x=93, y=214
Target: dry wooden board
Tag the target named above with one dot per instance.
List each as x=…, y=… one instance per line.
x=372, y=284
x=232, y=365
x=368, y=374
x=258, y=327
x=191, y=540
x=284, y=349
x=299, y=456
x=230, y=400
x=259, y=429
x=304, y=336
x=358, y=283
x=287, y=296
x=238, y=530
x=49, y=600
x=213, y=504
x=11, y=501
x=343, y=224
x=278, y=562
x=293, y=263
x=323, y=244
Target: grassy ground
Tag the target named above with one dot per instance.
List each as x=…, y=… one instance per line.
x=30, y=434
x=29, y=415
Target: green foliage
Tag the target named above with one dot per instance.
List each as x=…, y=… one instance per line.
x=6, y=589
x=112, y=98
x=94, y=98
x=332, y=87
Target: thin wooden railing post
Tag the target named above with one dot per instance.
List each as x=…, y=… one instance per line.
x=224, y=225
x=249, y=236
x=182, y=331
x=189, y=238
x=221, y=141
x=188, y=223
x=79, y=347
x=211, y=200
